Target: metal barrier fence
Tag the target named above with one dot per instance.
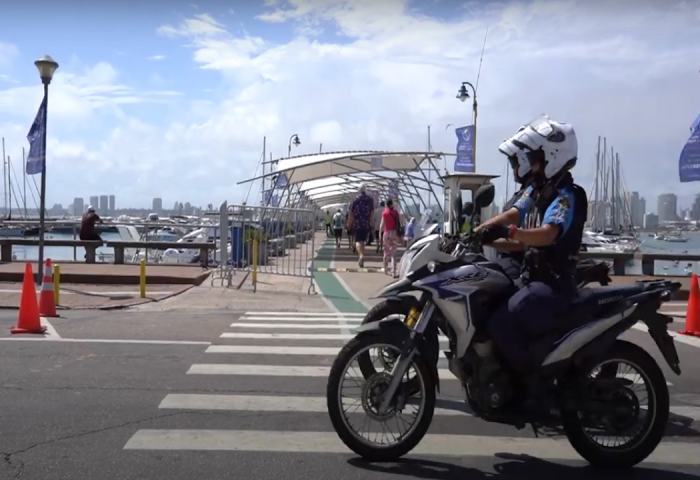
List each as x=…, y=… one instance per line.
x=268, y=240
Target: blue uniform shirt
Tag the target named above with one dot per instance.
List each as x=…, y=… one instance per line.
x=560, y=211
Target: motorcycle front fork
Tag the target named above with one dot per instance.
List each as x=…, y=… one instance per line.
x=408, y=351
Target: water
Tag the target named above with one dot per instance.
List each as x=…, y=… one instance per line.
x=649, y=245
x=58, y=254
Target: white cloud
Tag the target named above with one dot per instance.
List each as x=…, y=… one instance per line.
x=367, y=74
x=7, y=53
x=156, y=58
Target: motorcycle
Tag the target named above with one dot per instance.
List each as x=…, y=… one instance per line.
x=456, y=296
x=434, y=247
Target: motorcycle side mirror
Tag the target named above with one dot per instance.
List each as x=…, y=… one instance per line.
x=484, y=196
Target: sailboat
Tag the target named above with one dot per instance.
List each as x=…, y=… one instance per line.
x=612, y=218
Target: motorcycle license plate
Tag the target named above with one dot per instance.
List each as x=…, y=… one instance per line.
x=412, y=317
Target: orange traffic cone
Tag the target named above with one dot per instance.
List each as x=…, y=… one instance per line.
x=692, y=318
x=28, y=320
x=47, y=301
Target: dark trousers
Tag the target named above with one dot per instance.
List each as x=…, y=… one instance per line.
x=88, y=236
x=532, y=312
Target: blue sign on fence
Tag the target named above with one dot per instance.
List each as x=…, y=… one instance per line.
x=465, y=149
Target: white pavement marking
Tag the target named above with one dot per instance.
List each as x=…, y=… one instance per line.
x=306, y=314
x=680, y=453
x=260, y=403
x=266, y=403
x=302, y=319
x=303, y=371
x=50, y=330
x=296, y=336
x=290, y=326
x=276, y=370
x=678, y=337
x=43, y=338
x=273, y=350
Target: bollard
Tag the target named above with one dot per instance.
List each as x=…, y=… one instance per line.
x=143, y=278
x=57, y=283
x=255, y=264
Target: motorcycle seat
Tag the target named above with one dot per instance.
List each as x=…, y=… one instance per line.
x=603, y=296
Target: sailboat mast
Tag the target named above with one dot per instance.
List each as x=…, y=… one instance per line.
x=9, y=186
x=613, y=192
x=4, y=176
x=596, y=212
x=24, y=180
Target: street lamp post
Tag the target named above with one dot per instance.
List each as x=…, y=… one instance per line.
x=463, y=95
x=47, y=66
x=294, y=139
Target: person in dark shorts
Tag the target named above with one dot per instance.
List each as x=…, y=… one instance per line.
x=361, y=212
x=337, y=223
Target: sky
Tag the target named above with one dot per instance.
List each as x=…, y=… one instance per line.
x=173, y=99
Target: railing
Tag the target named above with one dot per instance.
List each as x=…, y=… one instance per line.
x=270, y=240
x=103, y=254
x=620, y=260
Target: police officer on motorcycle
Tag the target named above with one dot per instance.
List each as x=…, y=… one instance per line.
x=546, y=222
x=511, y=254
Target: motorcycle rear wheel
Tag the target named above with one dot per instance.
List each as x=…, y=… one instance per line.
x=413, y=437
x=626, y=456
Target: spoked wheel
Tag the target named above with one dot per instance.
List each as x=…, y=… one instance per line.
x=385, y=357
x=354, y=402
x=634, y=426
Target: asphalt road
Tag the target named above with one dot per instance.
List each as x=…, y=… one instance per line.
x=96, y=409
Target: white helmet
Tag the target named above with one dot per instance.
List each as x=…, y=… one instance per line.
x=516, y=154
x=555, y=141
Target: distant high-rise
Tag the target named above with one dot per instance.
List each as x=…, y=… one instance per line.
x=78, y=206
x=157, y=206
x=651, y=220
x=104, y=204
x=667, y=207
x=637, y=209
x=112, y=204
x=94, y=201
x=695, y=208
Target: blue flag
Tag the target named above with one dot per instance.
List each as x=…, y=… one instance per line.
x=689, y=162
x=465, y=149
x=695, y=126
x=36, y=161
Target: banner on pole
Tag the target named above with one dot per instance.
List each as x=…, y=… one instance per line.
x=36, y=160
x=465, y=149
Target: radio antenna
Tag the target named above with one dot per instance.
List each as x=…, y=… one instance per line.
x=481, y=60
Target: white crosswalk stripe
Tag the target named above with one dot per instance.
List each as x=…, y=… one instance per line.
x=262, y=349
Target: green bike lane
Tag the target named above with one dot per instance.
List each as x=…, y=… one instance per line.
x=328, y=283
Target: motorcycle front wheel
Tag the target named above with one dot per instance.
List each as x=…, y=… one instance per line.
x=391, y=308
x=376, y=445
x=642, y=427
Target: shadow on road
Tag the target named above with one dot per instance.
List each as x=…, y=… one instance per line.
x=516, y=467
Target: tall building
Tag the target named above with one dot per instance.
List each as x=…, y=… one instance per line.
x=78, y=206
x=104, y=204
x=651, y=220
x=112, y=204
x=638, y=208
x=157, y=206
x=94, y=201
x=667, y=207
x=695, y=208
